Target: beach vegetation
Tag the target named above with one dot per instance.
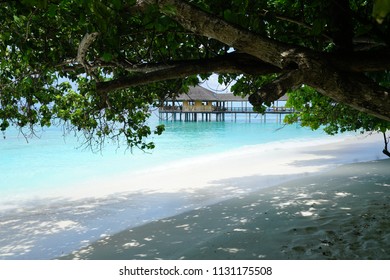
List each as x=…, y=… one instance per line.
x=98, y=67
x=320, y=112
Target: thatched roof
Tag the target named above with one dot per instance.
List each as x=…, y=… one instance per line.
x=203, y=94
x=197, y=93
x=231, y=97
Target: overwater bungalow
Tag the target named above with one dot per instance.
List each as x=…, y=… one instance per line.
x=203, y=104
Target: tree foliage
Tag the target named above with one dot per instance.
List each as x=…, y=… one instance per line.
x=98, y=66
x=316, y=111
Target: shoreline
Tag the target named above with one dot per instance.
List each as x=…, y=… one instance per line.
x=282, y=159
x=97, y=212
x=323, y=153
x=331, y=215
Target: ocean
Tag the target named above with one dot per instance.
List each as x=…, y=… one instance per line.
x=32, y=222
x=54, y=161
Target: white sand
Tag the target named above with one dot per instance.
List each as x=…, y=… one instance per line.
x=340, y=214
x=271, y=164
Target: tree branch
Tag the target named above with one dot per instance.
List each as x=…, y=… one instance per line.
x=385, y=150
x=296, y=22
x=70, y=66
x=317, y=71
x=230, y=63
x=353, y=89
x=84, y=45
x=202, y=23
x=363, y=61
x=277, y=88
x=358, y=92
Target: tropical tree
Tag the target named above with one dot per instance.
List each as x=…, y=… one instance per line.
x=127, y=55
x=316, y=111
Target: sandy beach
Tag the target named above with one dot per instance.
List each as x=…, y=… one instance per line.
x=326, y=198
x=314, y=202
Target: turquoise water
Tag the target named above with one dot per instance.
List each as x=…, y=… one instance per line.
x=36, y=225
x=54, y=161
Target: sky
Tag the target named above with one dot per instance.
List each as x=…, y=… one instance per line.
x=212, y=84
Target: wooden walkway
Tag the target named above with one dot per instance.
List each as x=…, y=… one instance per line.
x=176, y=113
x=201, y=104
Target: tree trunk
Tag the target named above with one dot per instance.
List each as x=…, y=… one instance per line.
x=385, y=150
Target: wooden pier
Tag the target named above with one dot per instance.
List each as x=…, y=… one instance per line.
x=200, y=104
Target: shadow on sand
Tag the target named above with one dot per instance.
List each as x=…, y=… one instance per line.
x=334, y=215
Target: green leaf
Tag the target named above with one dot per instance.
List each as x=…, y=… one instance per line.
x=169, y=10
x=228, y=15
x=380, y=10
x=42, y=4
x=318, y=26
x=107, y=57
x=52, y=10
x=117, y=4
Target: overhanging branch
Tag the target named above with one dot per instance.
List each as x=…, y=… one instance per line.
x=327, y=76
x=277, y=88
x=84, y=45
x=230, y=63
x=200, y=22
x=353, y=89
x=359, y=62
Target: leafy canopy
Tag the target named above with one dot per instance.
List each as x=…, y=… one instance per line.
x=99, y=66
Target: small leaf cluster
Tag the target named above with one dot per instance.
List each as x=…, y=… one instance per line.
x=317, y=111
